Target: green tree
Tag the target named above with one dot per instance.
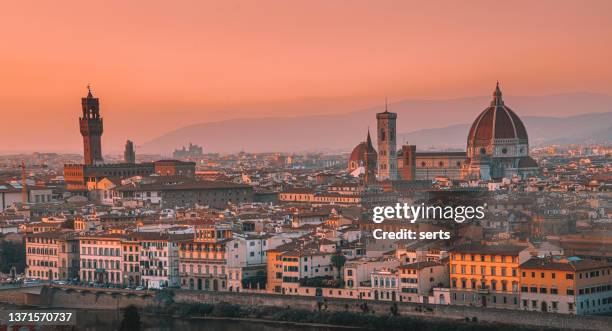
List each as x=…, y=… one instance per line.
x=131, y=319
x=12, y=254
x=394, y=309
x=68, y=224
x=164, y=297
x=338, y=262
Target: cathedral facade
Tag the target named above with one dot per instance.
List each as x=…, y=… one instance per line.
x=497, y=147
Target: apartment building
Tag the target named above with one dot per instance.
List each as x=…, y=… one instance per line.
x=52, y=255
x=159, y=258
x=246, y=262
x=358, y=272
x=486, y=275
x=131, y=261
x=101, y=258
x=186, y=192
x=385, y=284
x=274, y=269
x=304, y=263
x=202, y=260
x=417, y=280
x=421, y=251
x=299, y=261
x=566, y=286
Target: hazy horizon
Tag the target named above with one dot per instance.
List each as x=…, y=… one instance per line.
x=480, y=101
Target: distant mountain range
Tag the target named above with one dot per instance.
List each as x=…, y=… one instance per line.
x=438, y=124
x=580, y=129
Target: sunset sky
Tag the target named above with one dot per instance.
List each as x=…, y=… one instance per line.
x=160, y=65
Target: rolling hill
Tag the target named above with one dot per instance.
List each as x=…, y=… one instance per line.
x=426, y=123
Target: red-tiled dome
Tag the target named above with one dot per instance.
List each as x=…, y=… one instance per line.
x=358, y=154
x=496, y=122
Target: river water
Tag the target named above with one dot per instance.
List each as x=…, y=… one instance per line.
x=96, y=320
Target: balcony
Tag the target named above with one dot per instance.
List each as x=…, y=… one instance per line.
x=202, y=275
x=483, y=289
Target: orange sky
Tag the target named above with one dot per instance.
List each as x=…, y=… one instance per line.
x=158, y=65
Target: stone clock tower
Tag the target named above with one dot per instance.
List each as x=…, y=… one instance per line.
x=91, y=129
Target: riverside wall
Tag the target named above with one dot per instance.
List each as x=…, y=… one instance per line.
x=88, y=298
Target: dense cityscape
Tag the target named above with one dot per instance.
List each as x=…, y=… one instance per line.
x=300, y=224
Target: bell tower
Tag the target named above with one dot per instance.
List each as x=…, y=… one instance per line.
x=91, y=129
x=387, y=158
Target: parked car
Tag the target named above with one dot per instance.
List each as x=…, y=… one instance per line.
x=31, y=281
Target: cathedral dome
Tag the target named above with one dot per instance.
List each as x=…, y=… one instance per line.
x=497, y=144
x=497, y=122
x=359, y=154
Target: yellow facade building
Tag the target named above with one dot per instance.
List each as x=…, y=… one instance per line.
x=486, y=275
